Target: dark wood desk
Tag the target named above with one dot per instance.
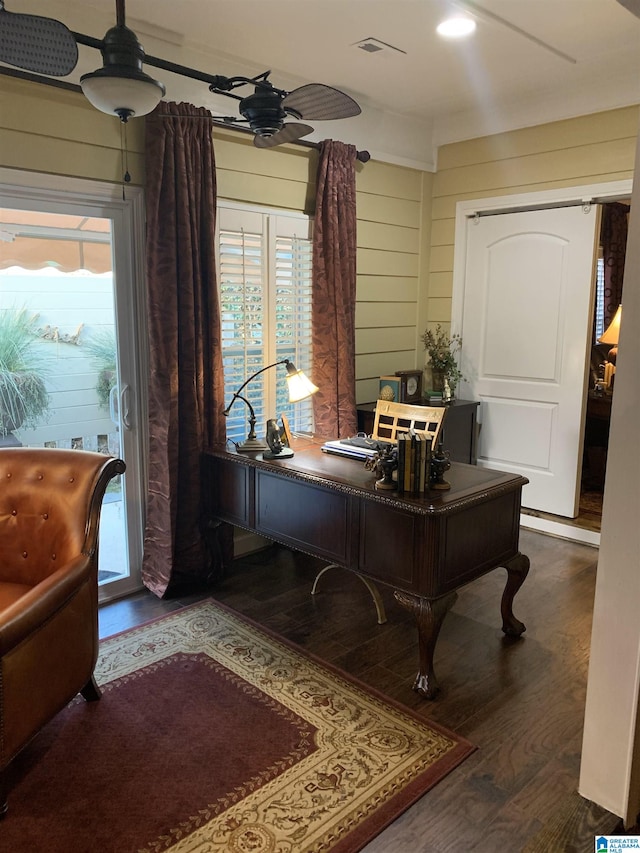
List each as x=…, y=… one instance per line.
x=423, y=547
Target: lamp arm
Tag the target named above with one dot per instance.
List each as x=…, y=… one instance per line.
x=252, y=415
x=246, y=382
x=237, y=396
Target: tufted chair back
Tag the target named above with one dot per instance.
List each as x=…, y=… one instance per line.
x=50, y=503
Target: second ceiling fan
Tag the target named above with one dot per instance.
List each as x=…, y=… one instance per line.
x=266, y=110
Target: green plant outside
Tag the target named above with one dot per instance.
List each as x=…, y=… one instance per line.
x=24, y=399
x=102, y=349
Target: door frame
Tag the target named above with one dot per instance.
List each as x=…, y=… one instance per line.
x=544, y=199
x=125, y=208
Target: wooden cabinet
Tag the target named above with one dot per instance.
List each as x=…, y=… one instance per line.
x=459, y=432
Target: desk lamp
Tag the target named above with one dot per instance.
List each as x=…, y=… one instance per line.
x=300, y=387
x=611, y=336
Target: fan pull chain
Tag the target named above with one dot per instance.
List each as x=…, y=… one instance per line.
x=125, y=154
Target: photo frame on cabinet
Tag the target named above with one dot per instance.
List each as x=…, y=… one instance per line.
x=389, y=389
x=410, y=386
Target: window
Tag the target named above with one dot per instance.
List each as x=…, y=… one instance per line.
x=265, y=303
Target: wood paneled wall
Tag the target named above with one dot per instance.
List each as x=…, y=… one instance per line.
x=406, y=218
x=393, y=206
x=43, y=129
x=585, y=150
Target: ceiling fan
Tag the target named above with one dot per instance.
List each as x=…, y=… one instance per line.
x=267, y=108
x=121, y=87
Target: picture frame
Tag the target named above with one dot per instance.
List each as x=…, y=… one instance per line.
x=410, y=386
x=389, y=389
x=285, y=431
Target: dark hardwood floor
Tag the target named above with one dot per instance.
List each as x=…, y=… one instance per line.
x=521, y=702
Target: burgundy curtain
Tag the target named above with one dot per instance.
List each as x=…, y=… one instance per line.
x=186, y=390
x=613, y=236
x=334, y=291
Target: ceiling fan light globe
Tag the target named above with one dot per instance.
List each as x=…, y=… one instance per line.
x=119, y=94
x=121, y=87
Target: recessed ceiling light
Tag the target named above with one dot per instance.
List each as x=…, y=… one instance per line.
x=456, y=27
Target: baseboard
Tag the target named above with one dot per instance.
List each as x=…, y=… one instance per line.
x=561, y=530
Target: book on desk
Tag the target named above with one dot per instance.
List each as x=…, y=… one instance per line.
x=358, y=447
x=414, y=459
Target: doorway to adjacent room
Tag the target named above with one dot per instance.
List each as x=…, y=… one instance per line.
x=520, y=343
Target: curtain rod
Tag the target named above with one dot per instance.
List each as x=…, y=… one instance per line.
x=362, y=156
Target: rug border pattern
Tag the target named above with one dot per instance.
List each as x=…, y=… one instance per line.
x=370, y=750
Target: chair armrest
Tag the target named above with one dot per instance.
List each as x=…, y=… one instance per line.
x=32, y=610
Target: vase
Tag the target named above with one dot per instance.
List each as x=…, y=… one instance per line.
x=437, y=379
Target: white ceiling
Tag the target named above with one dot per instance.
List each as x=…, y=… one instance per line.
x=529, y=61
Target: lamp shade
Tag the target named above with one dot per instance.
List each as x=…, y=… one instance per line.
x=612, y=332
x=299, y=385
x=121, y=87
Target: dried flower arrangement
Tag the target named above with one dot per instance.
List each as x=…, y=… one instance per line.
x=442, y=350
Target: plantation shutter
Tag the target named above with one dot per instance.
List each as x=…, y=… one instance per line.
x=265, y=294
x=293, y=317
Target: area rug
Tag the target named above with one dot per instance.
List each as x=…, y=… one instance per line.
x=214, y=735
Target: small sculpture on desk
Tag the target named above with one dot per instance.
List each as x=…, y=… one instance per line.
x=276, y=439
x=438, y=465
x=384, y=463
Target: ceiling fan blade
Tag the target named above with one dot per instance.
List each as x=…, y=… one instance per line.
x=318, y=102
x=632, y=5
x=41, y=45
x=289, y=133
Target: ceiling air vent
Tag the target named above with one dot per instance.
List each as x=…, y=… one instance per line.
x=373, y=45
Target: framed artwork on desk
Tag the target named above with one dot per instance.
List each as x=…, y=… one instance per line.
x=389, y=389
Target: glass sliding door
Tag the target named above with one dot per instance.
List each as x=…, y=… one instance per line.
x=69, y=307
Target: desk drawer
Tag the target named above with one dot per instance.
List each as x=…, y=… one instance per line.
x=306, y=516
x=389, y=544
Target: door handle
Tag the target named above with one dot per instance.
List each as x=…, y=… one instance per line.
x=113, y=405
x=125, y=407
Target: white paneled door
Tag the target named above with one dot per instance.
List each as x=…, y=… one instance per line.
x=526, y=327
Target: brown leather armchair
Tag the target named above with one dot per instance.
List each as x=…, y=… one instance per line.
x=50, y=503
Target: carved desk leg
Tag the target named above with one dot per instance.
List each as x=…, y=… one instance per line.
x=517, y=568
x=429, y=615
